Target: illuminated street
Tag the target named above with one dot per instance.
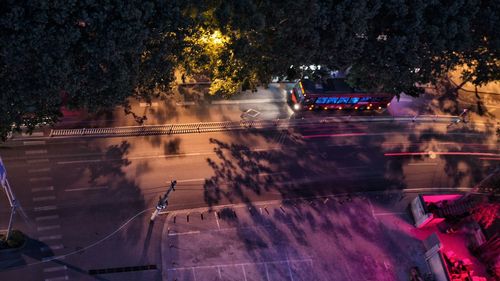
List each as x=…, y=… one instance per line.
x=291, y=140
x=89, y=200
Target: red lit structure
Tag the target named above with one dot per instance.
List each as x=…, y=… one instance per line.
x=334, y=93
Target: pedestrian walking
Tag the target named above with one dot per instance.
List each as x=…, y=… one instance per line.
x=463, y=115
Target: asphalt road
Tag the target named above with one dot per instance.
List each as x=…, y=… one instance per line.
x=88, y=201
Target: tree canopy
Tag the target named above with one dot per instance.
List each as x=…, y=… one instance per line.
x=95, y=54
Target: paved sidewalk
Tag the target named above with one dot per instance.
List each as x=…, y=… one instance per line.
x=335, y=238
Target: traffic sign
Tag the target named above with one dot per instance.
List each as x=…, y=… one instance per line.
x=3, y=173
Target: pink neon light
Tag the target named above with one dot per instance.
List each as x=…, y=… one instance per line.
x=492, y=159
x=334, y=135
x=441, y=153
x=441, y=197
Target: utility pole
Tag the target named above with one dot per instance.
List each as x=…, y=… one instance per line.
x=163, y=200
x=10, y=195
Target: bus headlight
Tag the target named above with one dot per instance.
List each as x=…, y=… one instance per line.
x=296, y=106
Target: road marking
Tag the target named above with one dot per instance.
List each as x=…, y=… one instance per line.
x=86, y=188
x=389, y=213
x=217, y=219
x=459, y=153
x=422, y=164
x=40, y=170
x=55, y=268
x=44, y=198
x=156, y=156
x=464, y=189
x=194, y=275
x=49, y=227
x=36, y=161
x=45, y=208
x=191, y=180
x=267, y=272
x=51, y=247
x=183, y=233
x=34, y=143
x=38, y=151
x=289, y=268
x=53, y=258
x=40, y=179
x=244, y=273
x=46, y=188
x=50, y=237
x=145, y=104
x=65, y=277
x=79, y=161
x=46, y=218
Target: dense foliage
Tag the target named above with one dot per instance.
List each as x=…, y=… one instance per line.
x=95, y=54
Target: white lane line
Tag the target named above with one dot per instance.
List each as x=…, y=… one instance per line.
x=145, y=104
x=37, y=151
x=194, y=274
x=34, y=142
x=465, y=189
x=50, y=237
x=191, y=180
x=49, y=227
x=217, y=219
x=156, y=156
x=289, y=269
x=51, y=247
x=55, y=268
x=45, y=208
x=86, y=188
x=45, y=188
x=46, y=218
x=40, y=179
x=37, y=161
x=244, y=273
x=422, y=164
x=79, y=161
x=40, y=170
x=44, y=198
x=65, y=277
x=53, y=258
x=389, y=213
x=183, y=233
x=267, y=272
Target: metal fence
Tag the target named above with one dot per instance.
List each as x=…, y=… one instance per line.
x=203, y=127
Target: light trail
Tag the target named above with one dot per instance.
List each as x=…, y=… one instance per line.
x=442, y=153
x=335, y=135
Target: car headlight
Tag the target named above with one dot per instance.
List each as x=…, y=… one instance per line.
x=296, y=106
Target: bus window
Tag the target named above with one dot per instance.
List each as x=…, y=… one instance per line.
x=354, y=100
x=343, y=100
x=321, y=100
x=332, y=100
